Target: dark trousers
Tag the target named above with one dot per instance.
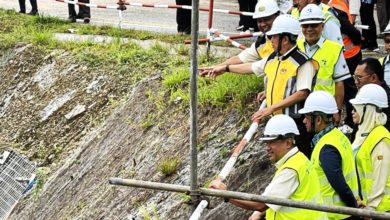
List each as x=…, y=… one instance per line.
x=367, y=18
x=303, y=140
x=383, y=12
x=183, y=17
x=22, y=5
x=247, y=21
x=84, y=11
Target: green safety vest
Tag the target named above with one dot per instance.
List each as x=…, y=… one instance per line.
x=308, y=191
x=325, y=56
x=338, y=140
x=365, y=169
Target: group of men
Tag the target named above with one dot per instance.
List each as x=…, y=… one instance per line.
x=311, y=66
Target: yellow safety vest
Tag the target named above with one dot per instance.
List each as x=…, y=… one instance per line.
x=295, y=13
x=263, y=47
x=308, y=191
x=365, y=169
x=327, y=59
x=338, y=140
x=280, y=80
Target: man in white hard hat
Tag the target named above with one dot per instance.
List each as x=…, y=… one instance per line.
x=332, y=155
x=369, y=71
x=333, y=67
x=265, y=13
x=288, y=76
x=331, y=28
x=294, y=178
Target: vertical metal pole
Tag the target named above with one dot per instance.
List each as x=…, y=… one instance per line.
x=193, y=104
x=209, y=26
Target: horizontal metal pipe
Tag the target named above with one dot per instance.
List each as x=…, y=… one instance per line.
x=250, y=197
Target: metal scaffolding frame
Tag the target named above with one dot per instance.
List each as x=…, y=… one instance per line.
x=251, y=197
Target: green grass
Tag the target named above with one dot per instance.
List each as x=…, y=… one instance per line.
x=129, y=60
x=168, y=166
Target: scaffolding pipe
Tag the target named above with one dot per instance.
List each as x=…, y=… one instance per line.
x=193, y=104
x=250, y=197
x=210, y=25
x=232, y=160
x=228, y=39
x=234, y=36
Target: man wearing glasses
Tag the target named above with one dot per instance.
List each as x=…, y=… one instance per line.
x=369, y=71
x=329, y=55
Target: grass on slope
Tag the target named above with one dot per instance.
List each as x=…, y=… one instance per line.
x=130, y=61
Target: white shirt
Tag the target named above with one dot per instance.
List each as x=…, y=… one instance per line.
x=305, y=74
x=341, y=71
x=284, y=183
x=354, y=7
x=332, y=30
x=380, y=158
x=387, y=70
x=249, y=55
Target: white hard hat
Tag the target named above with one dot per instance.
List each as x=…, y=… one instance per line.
x=320, y=101
x=371, y=94
x=387, y=29
x=265, y=8
x=285, y=24
x=311, y=14
x=279, y=125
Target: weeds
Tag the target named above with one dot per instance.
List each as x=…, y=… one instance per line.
x=168, y=166
x=42, y=175
x=146, y=215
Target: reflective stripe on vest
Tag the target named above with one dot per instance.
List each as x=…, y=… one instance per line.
x=308, y=190
x=324, y=80
x=350, y=49
x=280, y=80
x=338, y=140
x=264, y=50
x=365, y=168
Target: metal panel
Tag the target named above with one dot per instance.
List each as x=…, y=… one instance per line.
x=16, y=173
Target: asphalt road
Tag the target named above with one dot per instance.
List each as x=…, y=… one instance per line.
x=141, y=18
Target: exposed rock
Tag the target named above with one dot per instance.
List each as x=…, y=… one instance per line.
x=75, y=111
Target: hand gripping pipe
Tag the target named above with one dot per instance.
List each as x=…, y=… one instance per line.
x=230, y=164
x=228, y=39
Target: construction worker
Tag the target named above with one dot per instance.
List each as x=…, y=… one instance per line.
x=331, y=29
x=333, y=68
x=369, y=71
x=385, y=61
x=265, y=13
x=294, y=178
x=332, y=155
x=352, y=52
x=288, y=76
x=372, y=147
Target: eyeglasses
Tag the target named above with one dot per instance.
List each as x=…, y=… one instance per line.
x=358, y=78
x=310, y=25
x=387, y=40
